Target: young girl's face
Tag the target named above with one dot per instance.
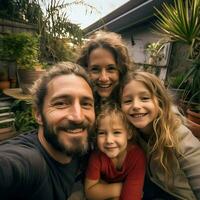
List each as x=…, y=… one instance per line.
x=112, y=137
x=140, y=107
x=103, y=71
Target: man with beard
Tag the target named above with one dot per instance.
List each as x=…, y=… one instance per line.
x=44, y=165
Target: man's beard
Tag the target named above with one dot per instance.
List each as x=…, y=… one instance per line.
x=78, y=146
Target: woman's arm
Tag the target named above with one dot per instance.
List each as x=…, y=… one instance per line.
x=98, y=190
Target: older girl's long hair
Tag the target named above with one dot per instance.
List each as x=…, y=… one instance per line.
x=164, y=140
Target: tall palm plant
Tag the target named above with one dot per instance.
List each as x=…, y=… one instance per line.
x=57, y=31
x=181, y=22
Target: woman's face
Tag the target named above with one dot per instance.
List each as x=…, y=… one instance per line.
x=103, y=71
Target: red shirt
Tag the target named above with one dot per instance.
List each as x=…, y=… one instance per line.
x=131, y=174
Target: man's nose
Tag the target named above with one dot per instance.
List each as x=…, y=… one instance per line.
x=103, y=76
x=76, y=113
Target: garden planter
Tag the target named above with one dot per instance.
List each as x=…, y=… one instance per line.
x=4, y=84
x=193, y=120
x=177, y=94
x=27, y=78
x=193, y=116
x=194, y=127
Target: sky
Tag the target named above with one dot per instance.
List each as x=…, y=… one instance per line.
x=78, y=15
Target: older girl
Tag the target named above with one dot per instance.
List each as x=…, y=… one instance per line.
x=173, y=152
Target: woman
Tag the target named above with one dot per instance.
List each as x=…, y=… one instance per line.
x=106, y=59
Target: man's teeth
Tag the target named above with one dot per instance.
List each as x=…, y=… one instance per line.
x=138, y=115
x=75, y=130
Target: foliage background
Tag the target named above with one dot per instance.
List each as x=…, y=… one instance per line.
x=58, y=36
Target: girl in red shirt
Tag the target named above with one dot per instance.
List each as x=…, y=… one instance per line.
x=116, y=170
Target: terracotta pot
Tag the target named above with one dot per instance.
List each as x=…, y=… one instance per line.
x=193, y=121
x=193, y=116
x=4, y=84
x=195, y=128
x=27, y=78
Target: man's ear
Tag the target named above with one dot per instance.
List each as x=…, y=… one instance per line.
x=38, y=117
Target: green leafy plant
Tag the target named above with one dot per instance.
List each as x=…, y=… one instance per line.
x=58, y=49
x=20, y=10
x=22, y=48
x=3, y=73
x=192, y=91
x=175, y=81
x=52, y=22
x=181, y=22
x=29, y=51
x=154, y=50
x=24, y=119
x=57, y=32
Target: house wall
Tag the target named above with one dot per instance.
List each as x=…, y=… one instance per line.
x=137, y=38
x=143, y=34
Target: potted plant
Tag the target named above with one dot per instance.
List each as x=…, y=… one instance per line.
x=181, y=22
x=4, y=82
x=23, y=48
x=154, y=52
x=24, y=119
x=175, y=86
x=29, y=67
